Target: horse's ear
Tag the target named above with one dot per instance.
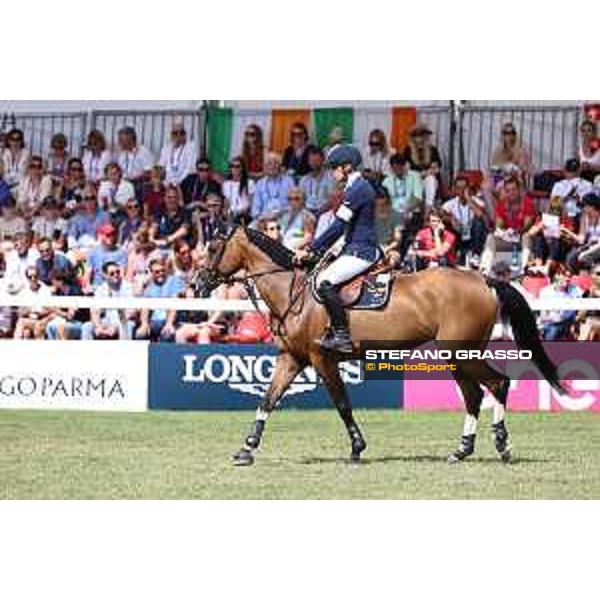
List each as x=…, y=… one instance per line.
x=226, y=228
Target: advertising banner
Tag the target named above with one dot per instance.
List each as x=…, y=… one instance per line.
x=111, y=376
x=222, y=377
x=524, y=395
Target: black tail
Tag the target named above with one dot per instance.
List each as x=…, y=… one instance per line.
x=515, y=308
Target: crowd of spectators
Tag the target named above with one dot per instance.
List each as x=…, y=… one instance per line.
x=122, y=222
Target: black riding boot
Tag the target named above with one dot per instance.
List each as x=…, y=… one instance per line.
x=338, y=337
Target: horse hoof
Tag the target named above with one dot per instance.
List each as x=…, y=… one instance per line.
x=506, y=457
x=243, y=458
x=358, y=447
x=458, y=456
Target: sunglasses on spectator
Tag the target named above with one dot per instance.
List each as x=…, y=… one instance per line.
x=35, y=166
x=509, y=132
x=250, y=134
x=374, y=144
x=295, y=197
x=273, y=227
x=113, y=273
x=33, y=276
x=131, y=206
x=178, y=132
x=235, y=166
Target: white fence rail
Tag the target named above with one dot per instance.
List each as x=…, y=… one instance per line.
x=211, y=304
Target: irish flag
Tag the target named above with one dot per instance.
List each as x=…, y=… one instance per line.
x=226, y=126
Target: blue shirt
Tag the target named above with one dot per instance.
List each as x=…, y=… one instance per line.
x=84, y=224
x=169, y=289
x=99, y=257
x=59, y=262
x=271, y=195
x=127, y=229
x=4, y=192
x=317, y=190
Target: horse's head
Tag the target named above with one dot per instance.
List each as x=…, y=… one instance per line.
x=224, y=257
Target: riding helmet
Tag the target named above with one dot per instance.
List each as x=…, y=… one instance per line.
x=344, y=154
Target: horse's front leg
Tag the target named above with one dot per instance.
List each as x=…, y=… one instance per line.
x=286, y=369
x=328, y=369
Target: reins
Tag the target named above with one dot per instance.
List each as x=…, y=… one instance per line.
x=248, y=280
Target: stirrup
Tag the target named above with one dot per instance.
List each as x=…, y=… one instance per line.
x=338, y=340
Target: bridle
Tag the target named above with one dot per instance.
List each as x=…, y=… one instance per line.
x=214, y=278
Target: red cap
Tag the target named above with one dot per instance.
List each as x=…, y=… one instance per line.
x=107, y=229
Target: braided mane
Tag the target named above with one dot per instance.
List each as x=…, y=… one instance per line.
x=277, y=252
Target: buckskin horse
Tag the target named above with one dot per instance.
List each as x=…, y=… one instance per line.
x=434, y=305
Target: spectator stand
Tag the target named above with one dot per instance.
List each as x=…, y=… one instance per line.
x=465, y=134
x=549, y=133
x=38, y=129
x=152, y=127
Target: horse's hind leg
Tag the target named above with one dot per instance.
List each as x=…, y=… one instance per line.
x=286, y=369
x=498, y=384
x=473, y=395
x=328, y=369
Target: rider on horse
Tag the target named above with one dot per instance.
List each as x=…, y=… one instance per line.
x=356, y=219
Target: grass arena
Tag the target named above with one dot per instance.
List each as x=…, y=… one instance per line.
x=169, y=455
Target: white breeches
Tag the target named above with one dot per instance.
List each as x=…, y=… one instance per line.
x=343, y=269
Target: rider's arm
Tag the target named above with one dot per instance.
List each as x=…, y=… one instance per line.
x=343, y=216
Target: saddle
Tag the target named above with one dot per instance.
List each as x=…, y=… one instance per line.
x=368, y=291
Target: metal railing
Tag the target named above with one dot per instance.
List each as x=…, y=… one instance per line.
x=548, y=133
x=152, y=127
x=38, y=129
x=465, y=134
x=441, y=120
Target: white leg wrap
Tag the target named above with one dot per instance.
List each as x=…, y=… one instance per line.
x=470, y=427
x=262, y=415
x=499, y=412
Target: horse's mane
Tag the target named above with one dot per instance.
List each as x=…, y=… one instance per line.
x=277, y=252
